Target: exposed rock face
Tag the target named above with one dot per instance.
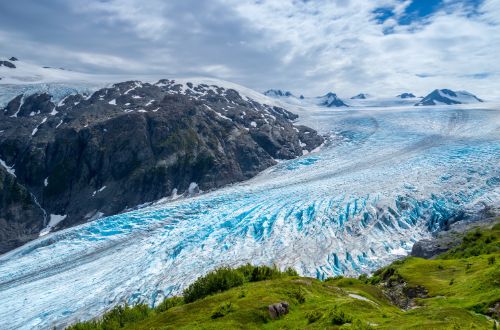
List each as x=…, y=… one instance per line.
x=428, y=249
x=20, y=218
x=398, y=291
x=131, y=144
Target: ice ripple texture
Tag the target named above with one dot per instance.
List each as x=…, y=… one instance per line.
x=385, y=179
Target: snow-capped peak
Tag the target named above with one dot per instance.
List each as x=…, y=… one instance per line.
x=406, y=95
x=331, y=100
x=360, y=96
x=277, y=93
x=447, y=96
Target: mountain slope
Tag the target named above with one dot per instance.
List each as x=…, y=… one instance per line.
x=456, y=291
x=132, y=143
x=21, y=219
x=446, y=96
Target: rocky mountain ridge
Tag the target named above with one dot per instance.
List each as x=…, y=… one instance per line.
x=86, y=156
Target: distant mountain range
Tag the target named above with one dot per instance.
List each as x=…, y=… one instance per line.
x=436, y=97
x=328, y=100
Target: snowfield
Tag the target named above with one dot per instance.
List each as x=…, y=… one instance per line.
x=386, y=178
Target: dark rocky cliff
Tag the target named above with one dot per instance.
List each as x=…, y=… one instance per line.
x=131, y=144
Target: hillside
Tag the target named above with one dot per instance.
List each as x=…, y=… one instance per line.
x=458, y=290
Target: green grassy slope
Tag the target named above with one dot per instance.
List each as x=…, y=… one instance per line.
x=455, y=291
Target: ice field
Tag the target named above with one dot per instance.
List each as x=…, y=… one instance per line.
x=386, y=178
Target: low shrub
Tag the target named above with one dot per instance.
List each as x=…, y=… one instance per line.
x=225, y=278
x=297, y=294
x=360, y=325
x=219, y=280
x=169, y=303
x=262, y=273
x=374, y=280
x=339, y=317
x=313, y=316
x=491, y=260
x=117, y=318
x=222, y=310
x=363, y=278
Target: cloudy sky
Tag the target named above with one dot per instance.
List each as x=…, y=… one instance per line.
x=306, y=46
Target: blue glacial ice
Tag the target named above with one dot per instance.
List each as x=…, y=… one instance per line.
x=385, y=179
x=58, y=91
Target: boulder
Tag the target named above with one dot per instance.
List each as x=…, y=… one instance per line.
x=277, y=310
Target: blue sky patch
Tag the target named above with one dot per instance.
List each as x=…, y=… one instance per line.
x=421, y=9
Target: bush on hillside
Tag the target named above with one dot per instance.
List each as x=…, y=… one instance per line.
x=225, y=278
x=313, y=316
x=360, y=325
x=339, y=317
x=222, y=310
x=117, y=318
x=219, y=280
x=298, y=295
x=169, y=303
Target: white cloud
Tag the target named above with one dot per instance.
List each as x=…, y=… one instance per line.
x=347, y=50
x=309, y=47
x=147, y=18
x=218, y=70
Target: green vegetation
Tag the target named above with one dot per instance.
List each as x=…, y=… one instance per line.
x=459, y=290
x=222, y=310
x=225, y=278
x=475, y=243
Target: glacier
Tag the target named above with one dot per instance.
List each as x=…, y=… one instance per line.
x=386, y=178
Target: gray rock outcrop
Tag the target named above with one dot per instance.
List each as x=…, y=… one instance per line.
x=278, y=310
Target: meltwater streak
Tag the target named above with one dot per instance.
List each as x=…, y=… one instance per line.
x=386, y=179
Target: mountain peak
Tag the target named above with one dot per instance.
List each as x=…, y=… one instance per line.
x=277, y=93
x=406, y=95
x=331, y=100
x=448, y=96
x=360, y=96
